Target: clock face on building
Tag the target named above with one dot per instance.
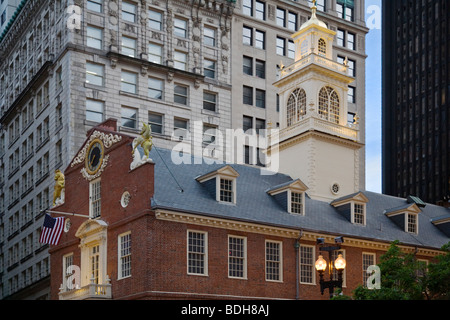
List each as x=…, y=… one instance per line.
x=94, y=156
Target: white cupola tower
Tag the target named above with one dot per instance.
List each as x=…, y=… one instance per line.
x=316, y=143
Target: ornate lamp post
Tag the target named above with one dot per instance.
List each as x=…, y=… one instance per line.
x=339, y=265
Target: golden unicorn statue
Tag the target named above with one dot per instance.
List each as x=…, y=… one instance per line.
x=144, y=140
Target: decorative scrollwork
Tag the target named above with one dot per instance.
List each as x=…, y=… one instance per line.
x=107, y=139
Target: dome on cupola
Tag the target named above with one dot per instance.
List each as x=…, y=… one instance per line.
x=314, y=20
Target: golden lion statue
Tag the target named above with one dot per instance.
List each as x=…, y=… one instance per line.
x=59, y=186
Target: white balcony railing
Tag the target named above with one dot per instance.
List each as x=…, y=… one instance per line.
x=314, y=122
x=314, y=59
x=92, y=291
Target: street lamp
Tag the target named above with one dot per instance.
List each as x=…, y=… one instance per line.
x=321, y=264
x=339, y=265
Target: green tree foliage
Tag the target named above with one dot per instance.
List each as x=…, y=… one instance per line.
x=405, y=278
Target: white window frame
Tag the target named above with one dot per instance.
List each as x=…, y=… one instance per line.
x=204, y=253
x=416, y=224
x=92, y=186
x=244, y=258
x=218, y=188
x=365, y=275
x=95, y=265
x=120, y=257
x=302, y=213
x=313, y=269
x=93, y=233
x=67, y=258
x=280, y=260
x=353, y=211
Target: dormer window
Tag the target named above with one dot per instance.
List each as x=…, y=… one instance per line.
x=406, y=217
x=297, y=202
x=226, y=190
x=221, y=184
x=359, y=213
x=442, y=223
x=411, y=225
x=291, y=196
x=353, y=207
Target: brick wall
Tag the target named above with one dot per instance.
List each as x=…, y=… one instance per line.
x=159, y=247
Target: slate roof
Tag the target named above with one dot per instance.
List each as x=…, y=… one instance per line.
x=254, y=204
x=285, y=184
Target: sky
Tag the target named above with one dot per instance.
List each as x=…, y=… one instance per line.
x=373, y=96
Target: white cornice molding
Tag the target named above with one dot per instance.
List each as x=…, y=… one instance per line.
x=291, y=141
x=201, y=220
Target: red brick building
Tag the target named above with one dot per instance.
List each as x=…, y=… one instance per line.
x=158, y=230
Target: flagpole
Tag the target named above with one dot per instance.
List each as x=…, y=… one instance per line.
x=69, y=213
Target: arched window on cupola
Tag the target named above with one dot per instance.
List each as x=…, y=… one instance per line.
x=296, y=106
x=322, y=46
x=329, y=104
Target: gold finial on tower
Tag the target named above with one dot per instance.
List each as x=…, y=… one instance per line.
x=313, y=8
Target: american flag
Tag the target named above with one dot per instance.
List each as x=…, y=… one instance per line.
x=51, y=230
